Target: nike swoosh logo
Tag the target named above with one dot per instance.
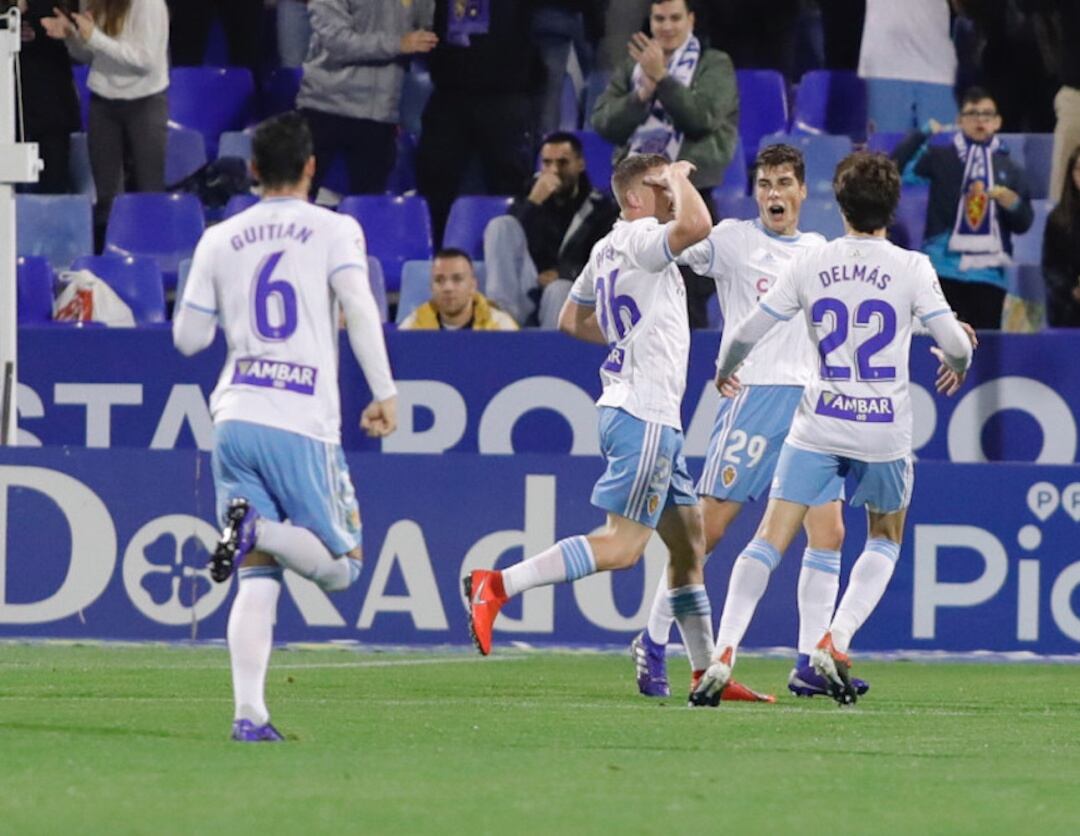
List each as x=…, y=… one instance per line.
x=477, y=598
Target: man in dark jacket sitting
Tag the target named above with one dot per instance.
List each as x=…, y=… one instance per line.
x=979, y=198
x=533, y=254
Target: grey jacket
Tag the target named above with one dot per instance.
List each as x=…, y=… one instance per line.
x=354, y=66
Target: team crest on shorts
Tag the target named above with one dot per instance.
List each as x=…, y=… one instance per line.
x=653, y=503
x=727, y=475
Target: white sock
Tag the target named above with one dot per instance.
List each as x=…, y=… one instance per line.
x=819, y=581
x=251, y=634
x=690, y=604
x=567, y=560
x=301, y=551
x=660, y=616
x=749, y=578
x=869, y=577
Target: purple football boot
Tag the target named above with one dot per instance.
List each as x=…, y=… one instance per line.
x=237, y=539
x=651, y=666
x=245, y=731
x=804, y=681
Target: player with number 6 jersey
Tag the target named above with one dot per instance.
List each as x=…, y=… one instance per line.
x=276, y=277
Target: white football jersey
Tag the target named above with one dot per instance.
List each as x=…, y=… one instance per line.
x=745, y=259
x=632, y=280
x=859, y=296
x=265, y=273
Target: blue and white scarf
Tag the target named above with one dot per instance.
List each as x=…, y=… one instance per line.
x=976, y=233
x=657, y=134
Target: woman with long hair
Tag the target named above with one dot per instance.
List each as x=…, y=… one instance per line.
x=1061, y=252
x=126, y=44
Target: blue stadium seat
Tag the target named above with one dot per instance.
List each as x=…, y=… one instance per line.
x=884, y=142
x=238, y=203
x=831, y=102
x=597, y=152
x=416, y=89
x=415, y=287
x=164, y=227
x=1027, y=248
x=469, y=217
x=821, y=152
x=909, y=225
x=82, y=178
x=59, y=227
x=34, y=283
x=211, y=100
x=729, y=205
x=397, y=229
x=182, y=271
x=235, y=144
x=378, y=285
x=136, y=280
x=763, y=107
x=185, y=153
x=278, y=93
x=821, y=215
x=735, y=175
x=80, y=72
x=1033, y=153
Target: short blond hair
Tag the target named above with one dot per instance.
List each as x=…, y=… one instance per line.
x=630, y=170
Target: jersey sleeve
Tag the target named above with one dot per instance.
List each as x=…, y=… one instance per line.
x=583, y=290
x=783, y=300
x=714, y=256
x=199, y=293
x=929, y=301
x=349, y=247
x=647, y=247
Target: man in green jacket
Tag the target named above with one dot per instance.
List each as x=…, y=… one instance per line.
x=672, y=97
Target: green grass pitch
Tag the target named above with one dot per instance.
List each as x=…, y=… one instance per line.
x=105, y=739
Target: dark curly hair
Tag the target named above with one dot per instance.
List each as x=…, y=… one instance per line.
x=867, y=187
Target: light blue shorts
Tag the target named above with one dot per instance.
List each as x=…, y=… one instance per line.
x=811, y=478
x=745, y=443
x=646, y=470
x=287, y=476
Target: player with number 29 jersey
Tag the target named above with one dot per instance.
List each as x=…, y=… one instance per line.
x=640, y=299
x=268, y=273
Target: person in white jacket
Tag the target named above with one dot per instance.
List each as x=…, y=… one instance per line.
x=125, y=42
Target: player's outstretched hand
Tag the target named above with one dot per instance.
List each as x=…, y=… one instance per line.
x=948, y=382
x=728, y=386
x=379, y=418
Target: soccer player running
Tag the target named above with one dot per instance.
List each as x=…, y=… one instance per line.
x=630, y=296
x=276, y=276
x=859, y=295
x=746, y=258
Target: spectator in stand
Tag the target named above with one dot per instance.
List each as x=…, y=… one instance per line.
x=560, y=27
x=1064, y=18
x=352, y=83
x=979, y=197
x=487, y=74
x=50, y=103
x=126, y=44
x=241, y=20
x=293, y=32
x=1061, y=252
x=534, y=253
x=672, y=97
x=909, y=63
x=456, y=304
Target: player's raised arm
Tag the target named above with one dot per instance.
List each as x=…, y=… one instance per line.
x=691, y=222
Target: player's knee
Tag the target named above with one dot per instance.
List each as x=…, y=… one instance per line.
x=344, y=572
